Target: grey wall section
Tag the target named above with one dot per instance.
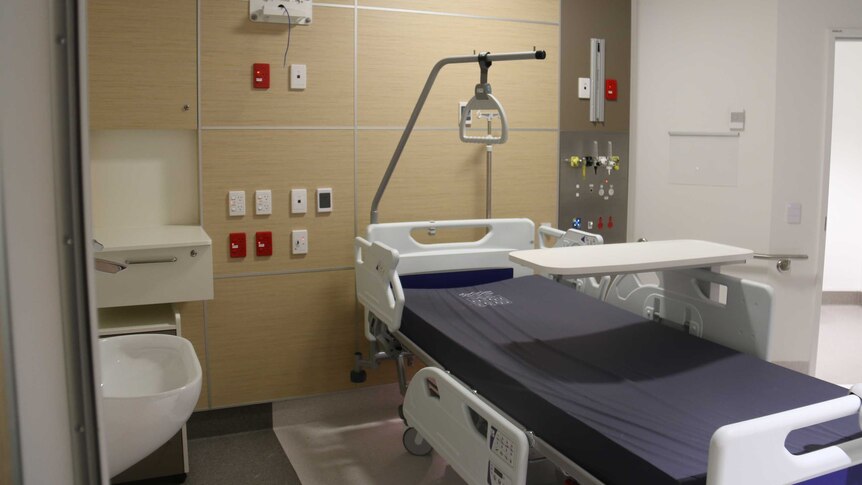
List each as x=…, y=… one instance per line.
x=598, y=197
x=581, y=20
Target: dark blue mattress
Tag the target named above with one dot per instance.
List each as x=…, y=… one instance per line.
x=631, y=401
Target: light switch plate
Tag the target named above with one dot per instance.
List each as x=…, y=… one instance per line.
x=299, y=244
x=794, y=213
x=584, y=88
x=298, y=76
x=298, y=201
x=263, y=202
x=324, y=199
x=236, y=203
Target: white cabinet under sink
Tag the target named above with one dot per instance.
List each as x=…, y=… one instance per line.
x=164, y=264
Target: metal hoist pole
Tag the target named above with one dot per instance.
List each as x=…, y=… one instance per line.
x=489, y=153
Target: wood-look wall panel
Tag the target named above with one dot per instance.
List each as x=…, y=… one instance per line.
x=397, y=50
x=280, y=336
x=534, y=10
x=525, y=177
x=192, y=328
x=142, y=64
x=437, y=178
x=231, y=43
x=279, y=160
x=440, y=178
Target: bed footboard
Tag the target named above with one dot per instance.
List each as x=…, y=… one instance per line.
x=481, y=445
x=753, y=451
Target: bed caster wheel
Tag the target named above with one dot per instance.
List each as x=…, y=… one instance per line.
x=414, y=443
x=357, y=377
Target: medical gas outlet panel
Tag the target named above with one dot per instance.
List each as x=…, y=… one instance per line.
x=594, y=183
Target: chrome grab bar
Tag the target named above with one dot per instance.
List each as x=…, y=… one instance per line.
x=153, y=261
x=784, y=260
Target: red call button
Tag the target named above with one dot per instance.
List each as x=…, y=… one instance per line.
x=263, y=241
x=611, y=89
x=237, y=245
x=260, y=76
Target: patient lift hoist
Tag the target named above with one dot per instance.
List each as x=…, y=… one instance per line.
x=744, y=452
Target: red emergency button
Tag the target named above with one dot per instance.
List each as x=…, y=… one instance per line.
x=260, y=76
x=610, y=222
x=611, y=89
x=601, y=223
x=237, y=244
x=263, y=242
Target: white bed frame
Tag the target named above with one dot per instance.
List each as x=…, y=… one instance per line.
x=484, y=445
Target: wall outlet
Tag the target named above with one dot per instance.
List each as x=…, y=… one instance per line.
x=263, y=202
x=300, y=241
x=298, y=201
x=236, y=203
x=584, y=88
x=298, y=76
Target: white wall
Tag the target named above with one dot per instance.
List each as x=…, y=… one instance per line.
x=843, y=269
x=144, y=177
x=695, y=60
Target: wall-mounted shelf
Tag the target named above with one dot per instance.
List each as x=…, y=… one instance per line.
x=138, y=319
x=728, y=134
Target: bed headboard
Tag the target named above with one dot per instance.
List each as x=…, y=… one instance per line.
x=391, y=250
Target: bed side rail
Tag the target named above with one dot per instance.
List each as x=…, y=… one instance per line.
x=478, y=442
x=378, y=287
x=753, y=451
x=688, y=298
x=490, y=251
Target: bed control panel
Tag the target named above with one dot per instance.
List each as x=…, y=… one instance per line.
x=502, y=446
x=497, y=477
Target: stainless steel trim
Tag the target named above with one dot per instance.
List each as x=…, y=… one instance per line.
x=784, y=260
x=779, y=256
x=278, y=273
x=724, y=134
x=152, y=261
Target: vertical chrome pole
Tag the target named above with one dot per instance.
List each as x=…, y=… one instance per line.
x=489, y=152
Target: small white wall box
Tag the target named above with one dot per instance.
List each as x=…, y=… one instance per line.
x=297, y=12
x=298, y=76
x=298, y=201
x=300, y=241
x=236, y=202
x=324, y=200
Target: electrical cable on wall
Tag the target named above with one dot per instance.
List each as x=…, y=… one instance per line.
x=289, y=28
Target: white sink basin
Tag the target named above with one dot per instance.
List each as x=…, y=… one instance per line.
x=150, y=385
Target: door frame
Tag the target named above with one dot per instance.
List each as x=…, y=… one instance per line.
x=835, y=36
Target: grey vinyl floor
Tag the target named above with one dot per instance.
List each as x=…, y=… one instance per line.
x=254, y=458
x=839, y=359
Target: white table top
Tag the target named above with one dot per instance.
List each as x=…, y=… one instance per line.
x=629, y=257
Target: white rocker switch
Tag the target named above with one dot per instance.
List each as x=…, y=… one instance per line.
x=263, y=202
x=298, y=201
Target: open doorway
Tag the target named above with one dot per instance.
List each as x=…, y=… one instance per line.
x=839, y=359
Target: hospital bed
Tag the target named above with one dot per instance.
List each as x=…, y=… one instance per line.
x=518, y=362
x=624, y=363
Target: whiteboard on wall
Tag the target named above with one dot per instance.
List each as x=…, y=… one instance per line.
x=705, y=158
